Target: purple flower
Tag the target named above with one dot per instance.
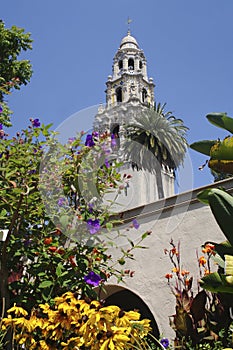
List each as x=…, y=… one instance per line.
x=89, y=141
x=1, y=109
x=92, y=278
x=135, y=224
x=90, y=207
x=113, y=140
x=1, y=127
x=164, y=342
x=107, y=163
x=71, y=139
x=93, y=225
x=61, y=201
x=36, y=123
x=95, y=133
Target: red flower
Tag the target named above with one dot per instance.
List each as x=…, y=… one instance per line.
x=52, y=249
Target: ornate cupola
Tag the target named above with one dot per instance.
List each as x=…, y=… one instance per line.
x=127, y=86
x=129, y=80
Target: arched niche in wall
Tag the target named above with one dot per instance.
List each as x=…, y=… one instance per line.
x=144, y=95
x=119, y=94
x=120, y=64
x=115, y=128
x=128, y=300
x=131, y=64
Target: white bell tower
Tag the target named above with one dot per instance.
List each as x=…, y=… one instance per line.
x=129, y=91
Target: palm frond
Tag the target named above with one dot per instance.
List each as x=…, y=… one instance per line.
x=159, y=133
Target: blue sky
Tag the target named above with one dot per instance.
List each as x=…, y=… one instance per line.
x=188, y=46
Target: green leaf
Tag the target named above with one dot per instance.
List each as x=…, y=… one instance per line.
x=203, y=146
x=109, y=226
x=45, y=284
x=221, y=204
x=229, y=265
x=221, y=120
x=59, y=269
x=144, y=235
x=214, y=282
x=223, y=249
x=203, y=196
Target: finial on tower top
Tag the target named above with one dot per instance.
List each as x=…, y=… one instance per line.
x=128, y=23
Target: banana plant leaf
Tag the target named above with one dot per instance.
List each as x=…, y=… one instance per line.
x=224, y=248
x=229, y=265
x=216, y=283
x=203, y=146
x=221, y=204
x=221, y=120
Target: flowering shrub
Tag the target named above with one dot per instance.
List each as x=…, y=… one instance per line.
x=41, y=257
x=73, y=323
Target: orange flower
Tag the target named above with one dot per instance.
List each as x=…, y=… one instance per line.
x=202, y=260
x=208, y=248
x=48, y=240
x=176, y=270
x=168, y=275
x=184, y=272
x=188, y=282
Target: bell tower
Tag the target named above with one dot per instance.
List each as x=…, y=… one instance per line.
x=129, y=79
x=129, y=91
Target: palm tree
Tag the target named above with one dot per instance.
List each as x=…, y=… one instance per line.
x=155, y=139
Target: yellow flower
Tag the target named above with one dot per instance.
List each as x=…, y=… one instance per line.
x=44, y=345
x=72, y=342
x=17, y=310
x=124, y=318
x=117, y=337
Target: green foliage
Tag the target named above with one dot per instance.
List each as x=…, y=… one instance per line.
x=220, y=152
x=203, y=146
x=14, y=72
x=221, y=120
x=161, y=133
x=221, y=203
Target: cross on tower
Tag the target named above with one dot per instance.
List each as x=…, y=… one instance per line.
x=129, y=20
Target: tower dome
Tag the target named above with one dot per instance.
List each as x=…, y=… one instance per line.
x=129, y=42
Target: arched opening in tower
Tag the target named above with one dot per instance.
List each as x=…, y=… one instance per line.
x=140, y=64
x=144, y=95
x=120, y=64
x=119, y=94
x=115, y=138
x=131, y=64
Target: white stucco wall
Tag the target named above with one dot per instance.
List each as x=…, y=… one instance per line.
x=182, y=218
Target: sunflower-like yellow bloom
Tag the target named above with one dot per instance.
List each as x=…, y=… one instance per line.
x=72, y=323
x=17, y=310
